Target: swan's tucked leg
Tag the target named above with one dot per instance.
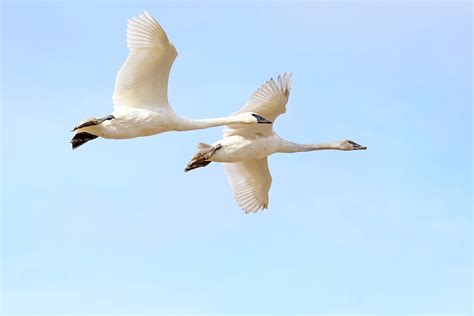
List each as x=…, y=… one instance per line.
x=81, y=138
x=201, y=158
x=94, y=121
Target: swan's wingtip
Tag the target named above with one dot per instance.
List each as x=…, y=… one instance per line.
x=256, y=210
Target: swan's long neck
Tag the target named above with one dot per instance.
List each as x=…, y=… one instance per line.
x=188, y=124
x=289, y=147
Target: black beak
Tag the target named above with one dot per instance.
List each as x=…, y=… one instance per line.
x=359, y=147
x=264, y=121
x=261, y=119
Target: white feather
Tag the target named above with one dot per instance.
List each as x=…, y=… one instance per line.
x=142, y=81
x=269, y=101
x=250, y=181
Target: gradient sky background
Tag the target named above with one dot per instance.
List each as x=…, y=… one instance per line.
x=117, y=226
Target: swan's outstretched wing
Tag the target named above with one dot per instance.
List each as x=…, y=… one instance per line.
x=269, y=101
x=250, y=181
x=142, y=81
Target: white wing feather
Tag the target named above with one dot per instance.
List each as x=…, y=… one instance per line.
x=142, y=81
x=250, y=181
x=268, y=101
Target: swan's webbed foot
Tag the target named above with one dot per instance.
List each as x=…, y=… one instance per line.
x=81, y=138
x=201, y=158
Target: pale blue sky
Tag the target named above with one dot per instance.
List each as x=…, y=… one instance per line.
x=117, y=226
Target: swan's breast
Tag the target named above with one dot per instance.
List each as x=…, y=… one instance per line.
x=238, y=148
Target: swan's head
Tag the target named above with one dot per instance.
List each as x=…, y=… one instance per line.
x=350, y=145
x=254, y=118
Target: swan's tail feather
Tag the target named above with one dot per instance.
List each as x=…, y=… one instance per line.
x=201, y=158
x=81, y=138
x=203, y=147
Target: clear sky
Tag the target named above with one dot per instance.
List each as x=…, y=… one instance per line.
x=118, y=227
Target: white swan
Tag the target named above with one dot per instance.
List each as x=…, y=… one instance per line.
x=140, y=98
x=244, y=149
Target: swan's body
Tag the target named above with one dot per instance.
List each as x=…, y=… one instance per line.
x=238, y=148
x=244, y=149
x=140, y=97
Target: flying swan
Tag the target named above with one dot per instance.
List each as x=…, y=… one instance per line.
x=244, y=149
x=140, y=98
